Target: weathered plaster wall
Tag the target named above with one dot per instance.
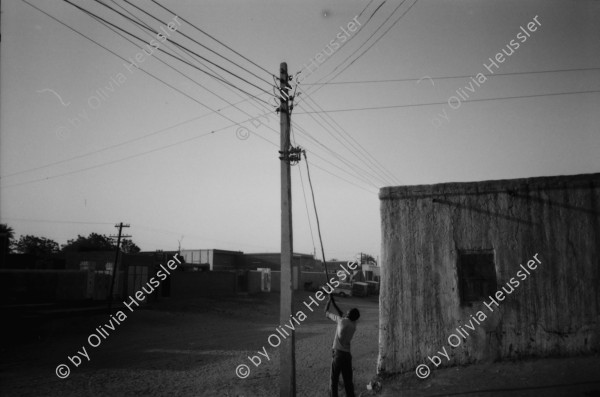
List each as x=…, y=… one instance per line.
x=554, y=311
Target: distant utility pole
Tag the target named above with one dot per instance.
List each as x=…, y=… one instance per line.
x=115, y=265
x=287, y=366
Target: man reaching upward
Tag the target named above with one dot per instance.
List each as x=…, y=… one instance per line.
x=341, y=357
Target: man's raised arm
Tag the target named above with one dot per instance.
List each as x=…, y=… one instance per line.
x=329, y=302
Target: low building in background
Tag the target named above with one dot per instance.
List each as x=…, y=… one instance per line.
x=211, y=259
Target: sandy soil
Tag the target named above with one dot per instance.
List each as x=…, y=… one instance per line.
x=192, y=348
x=187, y=348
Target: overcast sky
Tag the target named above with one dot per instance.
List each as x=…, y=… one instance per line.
x=87, y=141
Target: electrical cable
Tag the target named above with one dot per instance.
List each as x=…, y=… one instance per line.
x=370, y=158
x=194, y=81
x=113, y=161
x=384, y=33
x=352, y=149
x=442, y=103
x=106, y=22
x=153, y=150
x=200, y=30
x=178, y=45
x=379, y=38
x=353, y=165
x=196, y=41
x=316, y=214
x=340, y=158
x=312, y=237
x=275, y=145
x=452, y=77
x=367, y=6
x=356, y=35
x=105, y=148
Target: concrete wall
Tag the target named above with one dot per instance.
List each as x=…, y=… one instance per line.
x=45, y=286
x=35, y=286
x=254, y=281
x=202, y=284
x=225, y=260
x=317, y=279
x=556, y=310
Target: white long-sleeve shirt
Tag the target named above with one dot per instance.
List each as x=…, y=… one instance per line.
x=343, y=333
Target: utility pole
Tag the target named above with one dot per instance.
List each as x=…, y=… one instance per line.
x=287, y=366
x=115, y=266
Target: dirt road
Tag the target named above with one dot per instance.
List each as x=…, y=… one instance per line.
x=182, y=348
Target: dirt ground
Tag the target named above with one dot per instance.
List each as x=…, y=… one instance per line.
x=192, y=348
x=548, y=377
x=182, y=348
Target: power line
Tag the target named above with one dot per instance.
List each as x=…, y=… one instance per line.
x=442, y=103
x=375, y=42
x=175, y=144
x=348, y=163
x=195, y=82
x=380, y=37
x=369, y=38
x=312, y=192
x=144, y=26
x=218, y=41
x=175, y=43
x=351, y=38
x=371, y=162
x=183, y=53
x=196, y=41
x=451, y=77
x=274, y=131
x=375, y=175
x=369, y=155
x=130, y=157
x=361, y=28
x=152, y=150
x=340, y=158
x=274, y=144
x=108, y=163
x=367, y=6
x=312, y=237
x=117, y=55
x=104, y=148
x=113, y=161
x=269, y=110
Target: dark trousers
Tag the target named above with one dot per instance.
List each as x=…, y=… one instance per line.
x=341, y=362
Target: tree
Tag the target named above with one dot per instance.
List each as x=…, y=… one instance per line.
x=129, y=247
x=93, y=242
x=4, y=228
x=38, y=246
x=10, y=234
x=366, y=258
x=99, y=242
